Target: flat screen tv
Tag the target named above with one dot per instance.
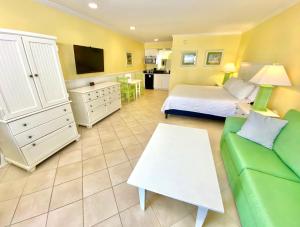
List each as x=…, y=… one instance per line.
x=88, y=59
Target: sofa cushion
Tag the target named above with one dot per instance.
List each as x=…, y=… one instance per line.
x=249, y=155
x=287, y=144
x=273, y=201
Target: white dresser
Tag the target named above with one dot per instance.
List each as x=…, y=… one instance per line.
x=93, y=103
x=36, y=118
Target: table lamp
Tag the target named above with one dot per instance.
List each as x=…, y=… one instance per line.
x=229, y=69
x=266, y=78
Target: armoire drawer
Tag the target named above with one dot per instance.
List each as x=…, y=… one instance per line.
x=32, y=121
x=46, y=145
x=31, y=135
x=98, y=113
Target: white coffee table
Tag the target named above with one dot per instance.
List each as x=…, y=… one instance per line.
x=178, y=163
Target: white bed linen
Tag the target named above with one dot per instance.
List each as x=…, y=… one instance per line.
x=211, y=100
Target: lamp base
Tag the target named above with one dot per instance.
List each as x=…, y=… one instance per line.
x=262, y=98
x=226, y=77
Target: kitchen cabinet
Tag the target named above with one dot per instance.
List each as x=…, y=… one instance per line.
x=161, y=81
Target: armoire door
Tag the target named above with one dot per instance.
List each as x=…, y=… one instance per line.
x=44, y=62
x=18, y=94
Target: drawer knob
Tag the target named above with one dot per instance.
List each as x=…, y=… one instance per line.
x=97, y=92
x=36, y=75
x=33, y=144
x=90, y=99
x=92, y=111
x=29, y=137
x=65, y=110
x=70, y=126
x=67, y=119
x=30, y=76
x=89, y=94
x=97, y=96
x=91, y=105
x=24, y=124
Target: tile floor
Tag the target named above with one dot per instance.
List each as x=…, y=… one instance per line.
x=85, y=184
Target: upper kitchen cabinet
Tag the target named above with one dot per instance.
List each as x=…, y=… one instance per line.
x=44, y=62
x=18, y=94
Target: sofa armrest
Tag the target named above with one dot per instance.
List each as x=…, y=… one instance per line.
x=232, y=124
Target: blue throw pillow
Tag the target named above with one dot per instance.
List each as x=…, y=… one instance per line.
x=261, y=129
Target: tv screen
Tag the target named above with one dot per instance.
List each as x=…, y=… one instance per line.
x=88, y=59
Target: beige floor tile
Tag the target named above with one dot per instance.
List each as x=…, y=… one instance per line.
x=135, y=216
x=138, y=129
x=96, y=182
x=114, y=221
x=67, y=216
x=115, y=158
x=90, y=141
x=133, y=162
x=69, y=156
x=111, y=146
x=68, y=172
x=124, y=133
x=126, y=196
x=169, y=211
x=129, y=141
x=39, y=221
x=143, y=137
x=14, y=173
x=99, y=207
x=3, y=170
x=39, y=181
x=73, y=146
x=108, y=136
x=32, y=205
x=12, y=189
x=66, y=193
x=91, y=151
x=188, y=221
x=7, y=209
x=94, y=164
x=134, y=151
x=120, y=173
x=49, y=163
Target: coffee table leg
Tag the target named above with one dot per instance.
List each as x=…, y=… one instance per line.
x=201, y=215
x=142, y=195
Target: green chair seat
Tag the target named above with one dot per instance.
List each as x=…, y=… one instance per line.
x=249, y=155
x=274, y=202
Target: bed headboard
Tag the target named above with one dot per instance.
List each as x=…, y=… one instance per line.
x=248, y=70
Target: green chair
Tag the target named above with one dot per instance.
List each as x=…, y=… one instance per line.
x=140, y=76
x=127, y=90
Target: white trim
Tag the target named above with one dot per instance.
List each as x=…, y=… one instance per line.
x=18, y=32
x=207, y=34
x=82, y=82
x=69, y=11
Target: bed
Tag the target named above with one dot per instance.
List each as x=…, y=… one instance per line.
x=207, y=101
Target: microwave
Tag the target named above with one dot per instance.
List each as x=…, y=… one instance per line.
x=150, y=60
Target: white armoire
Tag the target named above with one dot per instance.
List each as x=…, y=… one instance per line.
x=36, y=118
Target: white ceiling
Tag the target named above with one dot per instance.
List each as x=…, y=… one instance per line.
x=164, y=18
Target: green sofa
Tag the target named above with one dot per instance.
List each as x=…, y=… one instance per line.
x=265, y=183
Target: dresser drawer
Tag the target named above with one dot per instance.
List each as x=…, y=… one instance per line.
x=31, y=135
x=98, y=113
x=114, y=105
x=32, y=121
x=95, y=103
x=46, y=145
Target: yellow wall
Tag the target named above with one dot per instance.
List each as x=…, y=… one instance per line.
x=28, y=15
x=158, y=45
x=201, y=74
x=277, y=40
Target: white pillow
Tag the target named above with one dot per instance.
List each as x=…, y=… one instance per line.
x=229, y=84
x=261, y=129
x=240, y=89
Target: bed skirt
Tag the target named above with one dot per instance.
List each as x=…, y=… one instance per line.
x=193, y=114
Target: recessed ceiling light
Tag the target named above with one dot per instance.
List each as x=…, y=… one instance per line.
x=93, y=5
x=132, y=28
x=156, y=40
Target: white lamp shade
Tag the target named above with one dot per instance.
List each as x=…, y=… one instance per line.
x=272, y=75
x=229, y=68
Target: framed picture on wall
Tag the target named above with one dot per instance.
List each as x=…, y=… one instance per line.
x=214, y=58
x=129, y=58
x=189, y=58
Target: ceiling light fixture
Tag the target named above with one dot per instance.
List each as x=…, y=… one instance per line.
x=156, y=40
x=132, y=28
x=93, y=5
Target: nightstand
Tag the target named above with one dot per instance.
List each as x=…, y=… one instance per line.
x=244, y=110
